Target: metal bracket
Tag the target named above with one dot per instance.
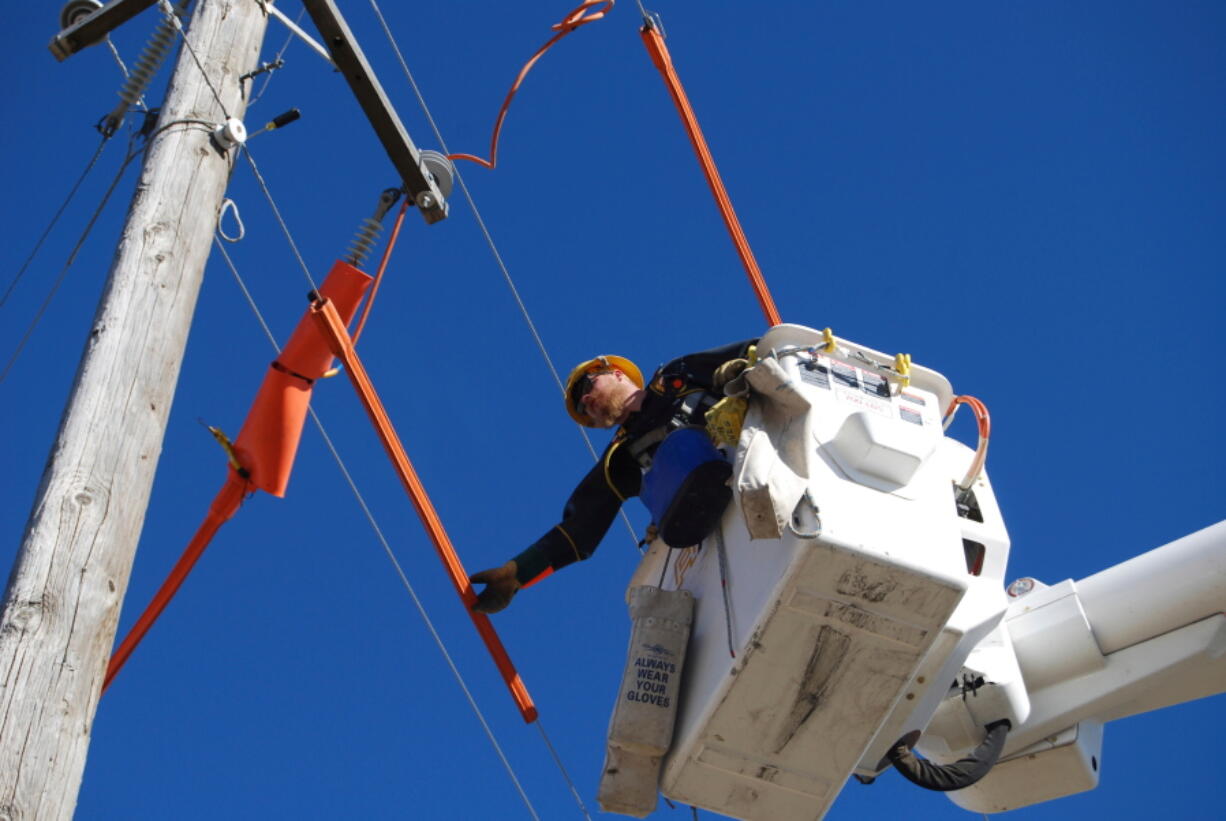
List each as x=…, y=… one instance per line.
x=297, y=30
x=352, y=63
x=96, y=26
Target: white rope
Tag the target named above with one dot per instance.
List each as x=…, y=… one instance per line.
x=229, y=205
x=404, y=579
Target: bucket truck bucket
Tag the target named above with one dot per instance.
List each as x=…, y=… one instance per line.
x=842, y=589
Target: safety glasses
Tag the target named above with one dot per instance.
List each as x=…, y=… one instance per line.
x=582, y=387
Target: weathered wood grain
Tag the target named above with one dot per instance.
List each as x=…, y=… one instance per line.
x=63, y=598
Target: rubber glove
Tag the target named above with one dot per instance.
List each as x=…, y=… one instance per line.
x=728, y=371
x=500, y=585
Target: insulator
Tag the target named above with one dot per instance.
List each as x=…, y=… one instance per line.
x=141, y=73
x=364, y=241
x=149, y=61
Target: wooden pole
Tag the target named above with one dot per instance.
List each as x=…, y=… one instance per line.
x=62, y=603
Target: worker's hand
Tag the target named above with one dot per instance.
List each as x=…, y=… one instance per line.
x=500, y=585
x=728, y=371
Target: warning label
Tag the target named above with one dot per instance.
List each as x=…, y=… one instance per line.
x=909, y=415
x=846, y=375
x=815, y=374
x=651, y=681
x=875, y=385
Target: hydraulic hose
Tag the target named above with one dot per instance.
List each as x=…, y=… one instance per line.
x=946, y=777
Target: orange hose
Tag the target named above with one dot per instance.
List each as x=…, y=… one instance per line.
x=387, y=254
x=984, y=420
x=664, y=63
x=223, y=507
x=573, y=20
x=333, y=329
x=266, y=445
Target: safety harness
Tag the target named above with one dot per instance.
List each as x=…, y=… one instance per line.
x=684, y=476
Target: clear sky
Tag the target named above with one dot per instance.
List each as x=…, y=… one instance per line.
x=1028, y=197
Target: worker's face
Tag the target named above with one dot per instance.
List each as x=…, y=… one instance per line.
x=607, y=401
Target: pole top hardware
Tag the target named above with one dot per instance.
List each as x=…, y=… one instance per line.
x=74, y=11
x=86, y=22
x=230, y=133
x=420, y=177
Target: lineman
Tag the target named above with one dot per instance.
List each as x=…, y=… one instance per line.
x=605, y=392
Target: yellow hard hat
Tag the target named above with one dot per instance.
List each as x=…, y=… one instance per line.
x=601, y=364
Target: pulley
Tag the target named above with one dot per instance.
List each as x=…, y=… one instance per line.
x=440, y=169
x=74, y=11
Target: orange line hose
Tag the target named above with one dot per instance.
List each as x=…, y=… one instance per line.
x=333, y=330
x=224, y=505
x=664, y=63
x=387, y=254
x=984, y=421
x=573, y=20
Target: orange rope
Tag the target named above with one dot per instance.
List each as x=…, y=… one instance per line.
x=333, y=330
x=570, y=22
x=664, y=63
x=387, y=254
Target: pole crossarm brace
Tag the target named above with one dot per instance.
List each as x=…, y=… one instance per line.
x=95, y=27
x=348, y=57
x=297, y=30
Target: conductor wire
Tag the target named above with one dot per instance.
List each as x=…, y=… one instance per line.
x=489, y=239
x=404, y=579
x=280, y=219
x=72, y=193
x=59, y=280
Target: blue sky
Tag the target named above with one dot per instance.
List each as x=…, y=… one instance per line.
x=1029, y=198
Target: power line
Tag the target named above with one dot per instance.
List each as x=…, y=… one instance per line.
x=558, y=760
x=404, y=579
x=489, y=239
x=72, y=193
x=59, y=280
x=280, y=219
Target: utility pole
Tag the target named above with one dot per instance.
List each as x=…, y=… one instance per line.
x=62, y=603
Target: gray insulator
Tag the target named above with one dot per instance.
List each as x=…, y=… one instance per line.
x=142, y=72
x=364, y=242
x=149, y=61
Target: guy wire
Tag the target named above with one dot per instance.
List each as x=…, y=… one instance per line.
x=169, y=10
